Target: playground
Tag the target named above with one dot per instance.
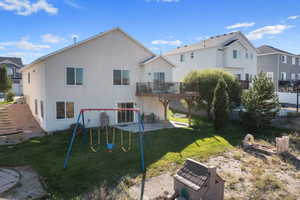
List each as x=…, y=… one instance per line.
x=164, y=150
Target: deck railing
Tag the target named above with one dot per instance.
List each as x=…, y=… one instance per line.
x=289, y=86
x=153, y=88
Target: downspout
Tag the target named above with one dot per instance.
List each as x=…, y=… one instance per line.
x=278, y=74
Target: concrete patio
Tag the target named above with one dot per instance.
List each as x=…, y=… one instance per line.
x=148, y=127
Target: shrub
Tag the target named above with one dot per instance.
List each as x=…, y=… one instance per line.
x=220, y=103
x=205, y=82
x=9, y=97
x=5, y=82
x=261, y=104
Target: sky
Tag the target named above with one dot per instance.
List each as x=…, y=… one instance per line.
x=33, y=28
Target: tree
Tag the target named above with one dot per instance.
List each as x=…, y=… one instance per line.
x=261, y=103
x=221, y=105
x=5, y=82
x=205, y=82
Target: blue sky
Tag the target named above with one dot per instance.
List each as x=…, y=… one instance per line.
x=32, y=28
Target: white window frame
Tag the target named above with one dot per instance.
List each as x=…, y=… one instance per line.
x=270, y=75
x=192, y=55
x=42, y=109
x=65, y=103
x=283, y=58
x=36, y=109
x=116, y=113
x=283, y=78
x=298, y=76
x=122, y=84
x=293, y=60
x=66, y=79
x=237, y=54
x=28, y=77
x=181, y=58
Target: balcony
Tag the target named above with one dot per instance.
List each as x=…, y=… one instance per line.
x=289, y=86
x=244, y=84
x=165, y=88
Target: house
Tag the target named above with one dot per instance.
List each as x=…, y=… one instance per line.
x=13, y=65
x=232, y=52
x=102, y=71
x=196, y=181
x=281, y=67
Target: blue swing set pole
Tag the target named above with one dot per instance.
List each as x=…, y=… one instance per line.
x=141, y=139
x=72, y=141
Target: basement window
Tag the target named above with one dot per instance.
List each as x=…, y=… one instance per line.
x=64, y=110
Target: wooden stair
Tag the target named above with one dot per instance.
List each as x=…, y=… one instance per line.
x=7, y=126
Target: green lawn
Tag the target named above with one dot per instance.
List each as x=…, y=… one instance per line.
x=88, y=169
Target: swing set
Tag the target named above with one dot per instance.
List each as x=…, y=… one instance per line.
x=110, y=141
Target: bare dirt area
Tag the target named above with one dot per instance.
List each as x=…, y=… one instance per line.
x=28, y=187
x=247, y=176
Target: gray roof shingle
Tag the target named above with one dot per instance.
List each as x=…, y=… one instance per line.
x=266, y=49
x=15, y=60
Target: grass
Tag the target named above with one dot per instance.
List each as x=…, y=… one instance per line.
x=5, y=102
x=164, y=150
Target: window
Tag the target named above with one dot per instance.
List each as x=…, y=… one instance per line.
x=297, y=61
x=294, y=60
x=64, y=110
x=28, y=77
x=251, y=56
x=298, y=76
x=10, y=71
x=42, y=109
x=192, y=55
x=158, y=80
x=283, y=59
x=283, y=76
x=36, y=106
x=121, y=77
x=125, y=116
x=293, y=76
x=181, y=58
x=246, y=55
x=74, y=76
x=270, y=75
x=235, y=54
x=247, y=77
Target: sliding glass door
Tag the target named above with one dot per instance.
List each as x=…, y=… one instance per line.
x=125, y=116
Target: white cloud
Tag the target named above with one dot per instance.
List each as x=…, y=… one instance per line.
x=2, y=48
x=49, y=38
x=267, y=30
x=167, y=42
x=293, y=17
x=24, y=44
x=73, y=4
x=240, y=25
x=27, y=7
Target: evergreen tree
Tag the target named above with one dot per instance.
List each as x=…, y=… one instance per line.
x=261, y=103
x=5, y=82
x=220, y=105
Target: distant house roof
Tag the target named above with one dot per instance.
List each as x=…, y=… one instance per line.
x=153, y=58
x=11, y=60
x=266, y=49
x=83, y=42
x=215, y=41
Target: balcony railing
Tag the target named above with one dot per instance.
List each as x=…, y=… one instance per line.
x=244, y=84
x=289, y=86
x=155, y=88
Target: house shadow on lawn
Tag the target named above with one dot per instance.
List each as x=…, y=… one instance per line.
x=87, y=170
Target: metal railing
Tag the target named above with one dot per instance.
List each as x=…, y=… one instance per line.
x=162, y=88
x=245, y=84
x=288, y=86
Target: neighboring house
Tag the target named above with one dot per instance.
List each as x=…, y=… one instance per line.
x=14, y=65
x=232, y=52
x=281, y=66
x=100, y=72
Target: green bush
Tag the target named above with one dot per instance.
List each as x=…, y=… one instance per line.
x=9, y=97
x=205, y=82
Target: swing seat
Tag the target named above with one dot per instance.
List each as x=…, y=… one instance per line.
x=110, y=146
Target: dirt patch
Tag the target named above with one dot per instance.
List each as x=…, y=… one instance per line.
x=29, y=186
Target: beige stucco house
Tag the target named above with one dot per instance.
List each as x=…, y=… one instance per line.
x=100, y=72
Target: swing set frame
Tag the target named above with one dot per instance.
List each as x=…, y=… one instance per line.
x=82, y=119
